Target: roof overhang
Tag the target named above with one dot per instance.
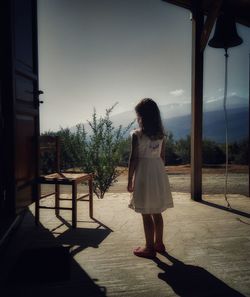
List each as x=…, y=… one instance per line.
x=240, y=8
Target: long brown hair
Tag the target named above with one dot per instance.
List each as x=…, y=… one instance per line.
x=150, y=115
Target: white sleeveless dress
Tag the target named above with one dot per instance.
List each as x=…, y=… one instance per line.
x=151, y=189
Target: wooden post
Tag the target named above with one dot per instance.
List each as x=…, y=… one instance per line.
x=57, y=199
x=91, y=196
x=197, y=98
x=74, y=204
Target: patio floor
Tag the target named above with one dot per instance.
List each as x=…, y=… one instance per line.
x=208, y=251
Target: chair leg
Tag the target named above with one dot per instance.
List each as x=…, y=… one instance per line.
x=74, y=204
x=57, y=197
x=91, y=197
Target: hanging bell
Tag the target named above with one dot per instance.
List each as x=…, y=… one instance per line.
x=225, y=34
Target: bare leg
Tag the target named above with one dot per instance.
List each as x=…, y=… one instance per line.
x=147, y=251
x=158, y=228
x=148, y=230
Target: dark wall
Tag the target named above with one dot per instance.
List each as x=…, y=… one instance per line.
x=1, y=113
x=6, y=113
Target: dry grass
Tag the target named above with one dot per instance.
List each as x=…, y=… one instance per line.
x=207, y=169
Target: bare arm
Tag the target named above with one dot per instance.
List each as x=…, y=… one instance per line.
x=163, y=147
x=133, y=161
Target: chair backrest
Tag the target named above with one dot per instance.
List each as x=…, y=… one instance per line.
x=49, y=153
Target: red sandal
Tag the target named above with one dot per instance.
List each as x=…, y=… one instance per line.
x=144, y=252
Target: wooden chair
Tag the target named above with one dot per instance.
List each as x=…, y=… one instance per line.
x=52, y=144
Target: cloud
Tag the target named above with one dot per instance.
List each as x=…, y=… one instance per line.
x=177, y=93
x=211, y=100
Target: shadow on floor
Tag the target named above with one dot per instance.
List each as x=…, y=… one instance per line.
x=235, y=211
x=81, y=237
x=37, y=264
x=192, y=281
x=93, y=220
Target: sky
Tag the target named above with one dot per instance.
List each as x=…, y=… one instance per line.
x=93, y=53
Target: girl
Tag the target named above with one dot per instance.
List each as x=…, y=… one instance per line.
x=147, y=179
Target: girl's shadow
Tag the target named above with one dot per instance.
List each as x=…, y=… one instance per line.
x=192, y=281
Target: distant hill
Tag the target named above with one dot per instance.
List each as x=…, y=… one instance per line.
x=176, y=118
x=213, y=125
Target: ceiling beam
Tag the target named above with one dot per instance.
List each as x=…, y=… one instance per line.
x=210, y=20
x=241, y=8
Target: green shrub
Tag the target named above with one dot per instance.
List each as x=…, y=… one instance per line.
x=47, y=158
x=171, y=157
x=239, y=152
x=73, y=147
x=212, y=153
x=100, y=153
x=105, y=149
x=183, y=149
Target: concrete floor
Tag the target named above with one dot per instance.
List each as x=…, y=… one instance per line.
x=208, y=251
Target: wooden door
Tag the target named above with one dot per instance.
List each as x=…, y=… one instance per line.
x=26, y=101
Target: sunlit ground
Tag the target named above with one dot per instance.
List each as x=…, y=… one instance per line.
x=213, y=180
x=208, y=250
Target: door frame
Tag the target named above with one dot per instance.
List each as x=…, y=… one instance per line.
x=8, y=188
